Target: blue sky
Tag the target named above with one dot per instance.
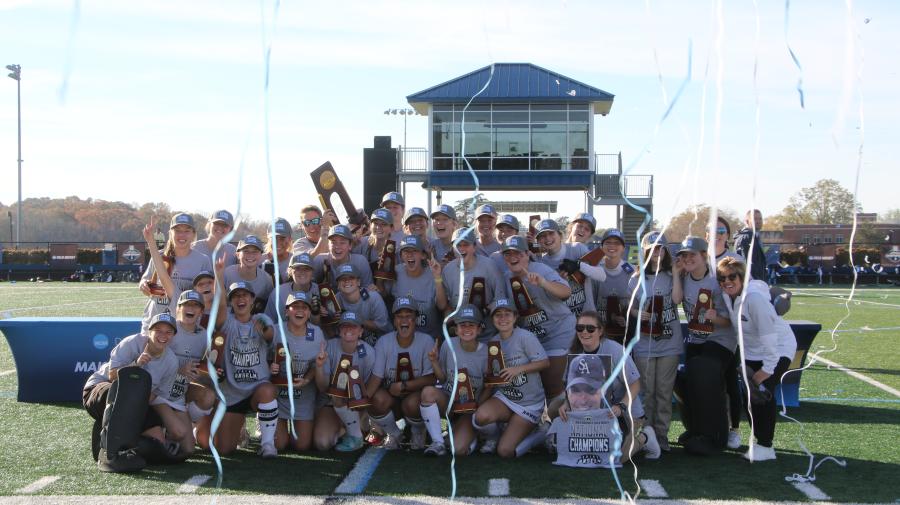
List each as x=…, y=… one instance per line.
x=163, y=100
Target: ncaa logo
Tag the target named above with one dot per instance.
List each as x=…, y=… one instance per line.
x=100, y=341
x=893, y=256
x=131, y=254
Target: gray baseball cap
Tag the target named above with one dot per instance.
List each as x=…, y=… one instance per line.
x=251, y=241
x=545, y=226
x=340, y=230
x=445, y=210
x=204, y=274
x=383, y=215
x=468, y=314
x=508, y=220
x=693, y=244
x=240, y=286
x=485, y=210
x=414, y=212
x=654, y=237
x=182, y=218
x=297, y=296
x=587, y=218
x=283, y=228
x=393, y=196
x=515, y=243
x=163, y=318
x=300, y=260
x=586, y=369
x=612, y=233
x=346, y=270
x=348, y=317
x=411, y=242
x=504, y=303
x=464, y=235
x=403, y=303
x=190, y=296
x=222, y=216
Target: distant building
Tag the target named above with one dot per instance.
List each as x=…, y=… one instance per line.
x=822, y=240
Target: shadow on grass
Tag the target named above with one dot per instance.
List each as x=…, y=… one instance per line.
x=836, y=413
x=725, y=476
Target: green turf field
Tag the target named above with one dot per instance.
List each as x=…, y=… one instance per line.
x=842, y=416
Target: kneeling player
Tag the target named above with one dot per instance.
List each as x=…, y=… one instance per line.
x=126, y=431
x=402, y=369
x=520, y=402
x=471, y=362
x=246, y=386
x=336, y=364
x=304, y=341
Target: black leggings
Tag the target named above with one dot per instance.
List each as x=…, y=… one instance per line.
x=764, y=415
x=705, y=391
x=733, y=389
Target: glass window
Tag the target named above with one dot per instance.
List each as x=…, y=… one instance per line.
x=477, y=163
x=441, y=107
x=511, y=140
x=578, y=106
x=556, y=116
x=520, y=163
x=838, y=239
x=443, y=164
x=510, y=106
x=474, y=116
x=443, y=141
x=578, y=116
x=472, y=107
x=548, y=106
x=548, y=139
x=442, y=117
x=511, y=117
x=478, y=144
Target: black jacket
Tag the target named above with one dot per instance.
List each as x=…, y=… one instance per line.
x=742, y=240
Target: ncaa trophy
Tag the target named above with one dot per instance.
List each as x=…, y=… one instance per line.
x=698, y=322
x=385, y=270
x=340, y=379
x=217, y=356
x=654, y=326
x=357, y=390
x=495, y=363
x=465, y=400
x=404, y=368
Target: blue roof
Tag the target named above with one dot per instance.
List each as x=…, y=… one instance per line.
x=513, y=82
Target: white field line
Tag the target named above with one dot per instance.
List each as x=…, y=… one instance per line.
x=653, y=488
x=191, y=485
x=811, y=491
x=354, y=500
x=854, y=300
x=38, y=484
x=356, y=481
x=868, y=380
x=40, y=307
x=498, y=487
x=4, y=373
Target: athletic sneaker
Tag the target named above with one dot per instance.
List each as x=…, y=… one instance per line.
x=268, y=451
x=489, y=446
x=374, y=439
x=663, y=443
x=391, y=443
x=652, y=446
x=734, y=439
x=244, y=439
x=124, y=462
x=760, y=453
x=436, y=449
x=349, y=443
x=417, y=438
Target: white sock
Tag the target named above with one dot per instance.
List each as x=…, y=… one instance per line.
x=432, y=417
x=196, y=412
x=267, y=415
x=489, y=431
x=350, y=418
x=473, y=445
x=388, y=423
x=416, y=425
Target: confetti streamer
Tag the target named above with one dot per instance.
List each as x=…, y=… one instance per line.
x=462, y=274
x=70, y=49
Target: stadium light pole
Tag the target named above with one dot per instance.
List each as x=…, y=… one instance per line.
x=404, y=113
x=16, y=73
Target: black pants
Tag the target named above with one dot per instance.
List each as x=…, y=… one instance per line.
x=705, y=391
x=733, y=389
x=764, y=415
x=94, y=401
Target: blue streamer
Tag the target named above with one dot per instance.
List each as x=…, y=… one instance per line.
x=67, y=67
x=794, y=58
x=459, y=301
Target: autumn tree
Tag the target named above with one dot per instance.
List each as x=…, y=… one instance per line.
x=826, y=202
x=695, y=220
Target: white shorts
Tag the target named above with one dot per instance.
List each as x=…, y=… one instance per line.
x=530, y=413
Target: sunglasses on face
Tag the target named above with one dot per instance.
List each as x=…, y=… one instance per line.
x=730, y=277
x=590, y=328
x=721, y=231
x=312, y=222
x=583, y=389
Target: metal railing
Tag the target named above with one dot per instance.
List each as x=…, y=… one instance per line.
x=412, y=160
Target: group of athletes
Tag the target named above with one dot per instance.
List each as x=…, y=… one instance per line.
x=349, y=349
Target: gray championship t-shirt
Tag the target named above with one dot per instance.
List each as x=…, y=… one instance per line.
x=487, y=249
x=585, y=439
x=245, y=358
x=707, y=287
x=162, y=370
x=284, y=291
x=670, y=342
x=188, y=346
x=183, y=273
x=303, y=350
x=582, y=294
x=553, y=324
x=475, y=364
x=261, y=284
x=363, y=358
x=387, y=354
x=494, y=287
x=303, y=245
x=228, y=250
x=422, y=291
x=370, y=307
x=442, y=251
x=521, y=348
x=360, y=262
x=614, y=290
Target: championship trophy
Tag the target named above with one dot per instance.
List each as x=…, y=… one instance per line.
x=592, y=258
x=330, y=307
x=654, y=326
x=217, y=356
x=327, y=183
x=613, y=311
x=477, y=295
x=357, y=390
x=340, y=379
x=385, y=270
x=496, y=364
x=533, y=245
x=465, y=400
x=698, y=322
x=281, y=357
x=521, y=298
x=404, y=367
